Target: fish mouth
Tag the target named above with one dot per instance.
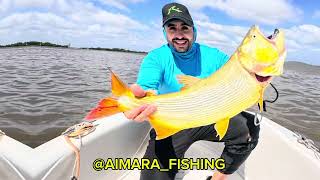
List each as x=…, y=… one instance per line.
x=274, y=35
x=271, y=38
x=262, y=79
x=266, y=58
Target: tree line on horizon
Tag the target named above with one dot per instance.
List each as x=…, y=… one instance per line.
x=114, y=49
x=48, y=44
x=34, y=43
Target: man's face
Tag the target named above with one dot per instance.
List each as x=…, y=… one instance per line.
x=179, y=35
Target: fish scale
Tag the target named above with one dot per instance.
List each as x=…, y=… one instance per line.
x=210, y=107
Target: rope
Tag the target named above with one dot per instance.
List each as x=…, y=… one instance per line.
x=81, y=129
x=308, y=143
x=77, y=161
x=77, y=131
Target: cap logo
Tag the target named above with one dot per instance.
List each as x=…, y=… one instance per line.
x=173, y=8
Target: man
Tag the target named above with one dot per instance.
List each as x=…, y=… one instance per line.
x=182, y=55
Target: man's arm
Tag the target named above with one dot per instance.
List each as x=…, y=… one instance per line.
x=149, y=79
x=150, y=73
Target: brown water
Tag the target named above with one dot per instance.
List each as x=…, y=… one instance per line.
x=45, y=90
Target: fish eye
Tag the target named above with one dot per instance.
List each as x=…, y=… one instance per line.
x=254, y=36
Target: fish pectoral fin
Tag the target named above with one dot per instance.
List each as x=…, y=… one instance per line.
x=162, y=131
x=187, y=81
x=260, y=101
x=221, y=127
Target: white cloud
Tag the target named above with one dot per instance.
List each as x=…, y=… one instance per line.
x=4, y=5
x=80, y=22
x=225, y=37
x=303, y=37
x=198, y=15
x=33, y=3
x=316, y=14
x=259, y=11
x=84, y=24
x=136, y=1
x=115, y=3
x=120, y=4
x=302, y=40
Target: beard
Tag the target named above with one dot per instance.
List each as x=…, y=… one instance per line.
x=181, y=45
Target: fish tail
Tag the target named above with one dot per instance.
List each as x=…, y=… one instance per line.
x=106, y=107
x=110, y=105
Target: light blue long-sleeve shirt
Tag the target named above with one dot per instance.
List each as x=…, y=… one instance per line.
x=160, y=67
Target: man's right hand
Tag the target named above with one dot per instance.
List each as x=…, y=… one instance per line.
x=141, y=113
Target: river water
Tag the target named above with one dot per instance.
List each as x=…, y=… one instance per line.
x=43, y=91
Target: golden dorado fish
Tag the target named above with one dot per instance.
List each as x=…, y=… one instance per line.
x=236, y=86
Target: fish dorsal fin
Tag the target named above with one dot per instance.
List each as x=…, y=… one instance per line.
x=187, y=81
x=118, y=87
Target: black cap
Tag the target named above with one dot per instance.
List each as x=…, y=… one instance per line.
x=176, y=11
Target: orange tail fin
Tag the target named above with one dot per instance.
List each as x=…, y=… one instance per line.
x=106, y=107
x=109, y=106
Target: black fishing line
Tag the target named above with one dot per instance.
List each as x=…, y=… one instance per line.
x=268, y=101
x=276, y=96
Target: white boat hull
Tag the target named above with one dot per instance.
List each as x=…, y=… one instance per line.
x=277, y=156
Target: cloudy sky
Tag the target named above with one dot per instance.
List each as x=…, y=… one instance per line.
x=136, y=24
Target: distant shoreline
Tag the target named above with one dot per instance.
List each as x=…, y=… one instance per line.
x=114, y=49
x=48, y=44
x=34, y=43
x=293, y=63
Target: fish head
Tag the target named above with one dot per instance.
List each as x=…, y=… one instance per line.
x=263, y=57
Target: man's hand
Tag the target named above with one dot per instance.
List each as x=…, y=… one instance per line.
x=141, y=113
